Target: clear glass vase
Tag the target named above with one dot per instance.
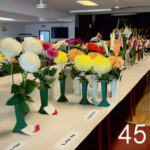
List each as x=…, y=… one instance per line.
x=94, y=87
x=76, y=86
x=114, y=88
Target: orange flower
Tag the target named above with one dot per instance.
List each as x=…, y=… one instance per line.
x=117, y=62
x=73, y=53
x=93, y=55
x=116, y=47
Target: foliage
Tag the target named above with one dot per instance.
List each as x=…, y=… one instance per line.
x=21, y=94
x=45, y=76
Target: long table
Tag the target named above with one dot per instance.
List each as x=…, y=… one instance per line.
x=73, y=123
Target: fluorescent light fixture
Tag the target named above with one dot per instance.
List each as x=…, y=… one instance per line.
x=90, y=10
x=7, y=19
x=124, y=14
x=86, y=3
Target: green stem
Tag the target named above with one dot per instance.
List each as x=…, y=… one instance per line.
x=12, y=76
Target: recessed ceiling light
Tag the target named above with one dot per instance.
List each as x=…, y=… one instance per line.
x=41, y=4
x=86, y=3
x=7, y=19
x=117, y=7
x=91, y=10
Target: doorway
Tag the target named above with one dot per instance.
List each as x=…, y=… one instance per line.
x=44, y=35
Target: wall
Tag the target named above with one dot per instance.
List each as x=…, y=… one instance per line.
x=34, y=28
x=13, y=29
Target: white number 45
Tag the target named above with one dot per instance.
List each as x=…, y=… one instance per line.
x=136, y=131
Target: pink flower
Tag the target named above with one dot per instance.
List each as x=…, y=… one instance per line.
x=46, y=45
x=52, y=53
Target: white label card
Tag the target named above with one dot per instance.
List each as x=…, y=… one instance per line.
x=67, y=141
x=91, y=115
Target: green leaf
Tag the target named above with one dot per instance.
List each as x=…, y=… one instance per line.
x=36, y=75
x=30, y=86
x=46, y=71
x=62, y=75
x=29, y=99
x=24, y=108
x=12, y=101
x=52, y=72
x=50, y=81
x=16, y=89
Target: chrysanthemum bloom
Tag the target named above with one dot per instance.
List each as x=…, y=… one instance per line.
x=32, y=45
x=9, y=47
x=61, y=58
x=117, y=62
x=101, y=65
x=46, y=45
x=52, y=52
x=83, y=62
x=93, y=55
x=73, y=53
x=30, y=62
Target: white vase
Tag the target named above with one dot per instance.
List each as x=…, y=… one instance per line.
x=76, y=86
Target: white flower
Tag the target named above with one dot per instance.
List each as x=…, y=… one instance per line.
x=30, y=62
x=9, y=47
x=31, y=44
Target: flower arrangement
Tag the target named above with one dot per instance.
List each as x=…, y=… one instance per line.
x=21, y=93
x=62, y=59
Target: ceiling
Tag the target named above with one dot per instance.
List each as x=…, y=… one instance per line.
x=59, y=9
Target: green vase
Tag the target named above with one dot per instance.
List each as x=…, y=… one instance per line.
x=84, y=100
x=20, y=121
x=104, y=102
x=44, y=100
x=62, y=97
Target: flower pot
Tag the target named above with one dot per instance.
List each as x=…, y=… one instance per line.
x=104, y=102
x=84, y=100
x=20, y=120
x=114, y=88
x=76, y=86
x=94, y=87
x=44, y=100
x=62, y=97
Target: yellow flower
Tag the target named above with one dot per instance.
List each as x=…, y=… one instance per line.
x=117, y=62
x=101, y=65
x=61, y=58
x=83, y=62
x=1, y=57
x=41, y=41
